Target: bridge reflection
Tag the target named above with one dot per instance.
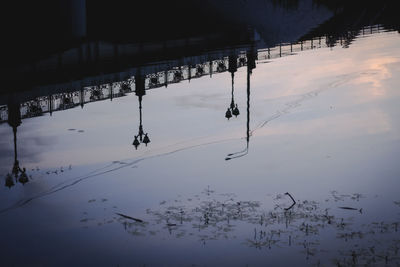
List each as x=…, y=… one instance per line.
x=152, y=77
x=73, y=94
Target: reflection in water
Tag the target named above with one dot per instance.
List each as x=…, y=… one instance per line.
x=251, y=64
x=339, y=230
x=140, y=92
x=14, y=120
x=66, y=96
x=232, y=109
x=142, y=82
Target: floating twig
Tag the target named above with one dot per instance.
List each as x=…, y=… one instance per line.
x=294, y=201
x=350, y=208
x=129, y=217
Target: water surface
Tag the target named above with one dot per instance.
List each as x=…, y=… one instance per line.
x=321, y=125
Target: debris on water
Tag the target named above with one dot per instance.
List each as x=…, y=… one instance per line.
x=91, y=200
x=347, y=208
x=356, y=196
x=208, y=191
x=294, y=201
x=129, y=217
x=212, y=216
x=350, y=208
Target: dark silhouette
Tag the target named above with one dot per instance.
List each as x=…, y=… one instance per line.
x=232, y=68
x=140, y=91
x=14, y=120
x=251, y=64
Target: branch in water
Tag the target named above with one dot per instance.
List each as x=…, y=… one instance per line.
x=129, y=217
x=294, y=201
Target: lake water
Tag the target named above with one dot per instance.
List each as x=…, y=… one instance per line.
x=321, y=126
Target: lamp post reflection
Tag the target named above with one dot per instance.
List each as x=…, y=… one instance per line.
x=251, y=64
x=14, y=120
x=140, y=91
x=233, y=108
